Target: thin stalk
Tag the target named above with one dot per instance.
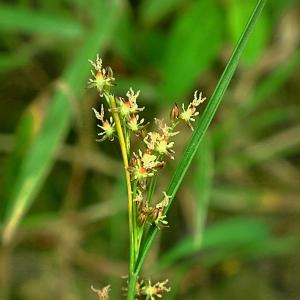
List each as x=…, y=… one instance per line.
x=151, y=188
x=132, y=286
x=134, y=220
x=112, y=102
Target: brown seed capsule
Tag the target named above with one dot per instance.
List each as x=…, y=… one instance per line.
x=109, y=72
x=175, y=112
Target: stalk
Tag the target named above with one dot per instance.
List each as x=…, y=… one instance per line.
x=123, y=145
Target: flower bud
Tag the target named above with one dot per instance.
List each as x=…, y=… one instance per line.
x=174, y=114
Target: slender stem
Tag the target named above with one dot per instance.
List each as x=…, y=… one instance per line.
x=112, y=102
x=132, y=286
x=134, y=220
x=151, y=188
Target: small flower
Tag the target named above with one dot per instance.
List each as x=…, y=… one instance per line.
x=159, y=142
x=108, y=126
x=158, y=212
x=102, y=79
x=103, y=293
x=153, y=215
x=134, y=124
x=129, y=106
x=144, y=165
x=166, y=130
x=154, y=291
x=188, y=114
x=132, y=100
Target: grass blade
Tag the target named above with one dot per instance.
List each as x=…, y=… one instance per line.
x=14, y=18
x=40, y=156
x=203, y=123
x=203, y=185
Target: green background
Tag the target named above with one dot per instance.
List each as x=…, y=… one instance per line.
x=234, y=227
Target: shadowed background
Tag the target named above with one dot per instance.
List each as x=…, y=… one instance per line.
x=234, y=228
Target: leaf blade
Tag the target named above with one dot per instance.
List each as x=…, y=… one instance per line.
x=40, y=156
x=203, y=123
x=14, y=18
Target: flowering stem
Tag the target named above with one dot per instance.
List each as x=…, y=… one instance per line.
x=134, y=218
x=112, y=102
x=132, y=286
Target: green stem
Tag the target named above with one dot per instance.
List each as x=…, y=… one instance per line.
x=134, y=220
x=123, y=145
x=151, y=188
x=132, y=286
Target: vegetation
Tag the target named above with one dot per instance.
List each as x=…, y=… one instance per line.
x=63, y=199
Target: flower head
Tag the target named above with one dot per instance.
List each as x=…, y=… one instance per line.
x=144, y=165
x=159, y=141
x=153, y=215
x=134, y=124
x=103, y=293
x=102, y=79
x=108, y=126
x=158, y=212
x=128, y=107
x=154, y=291
x=188, y=115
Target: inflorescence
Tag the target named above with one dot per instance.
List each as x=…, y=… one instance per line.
x=121, y=120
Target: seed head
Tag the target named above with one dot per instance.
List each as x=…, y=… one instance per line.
x=175, y=112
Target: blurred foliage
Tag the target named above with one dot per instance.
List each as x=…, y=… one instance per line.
x=235, y=223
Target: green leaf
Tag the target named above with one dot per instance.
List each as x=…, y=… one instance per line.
x=14, y=18
x=203, y=124
x=40, y=156
x=193, y=45
x=202, y=185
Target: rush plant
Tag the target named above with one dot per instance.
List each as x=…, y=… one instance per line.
x=120, y=118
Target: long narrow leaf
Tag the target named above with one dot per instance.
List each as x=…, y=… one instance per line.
x=40, y=156
x=203, y=123
x=203, y=185
x=15, y=18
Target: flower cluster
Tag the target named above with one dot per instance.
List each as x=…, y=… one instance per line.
x=108, y=126
x=144, y=153
x=146, y=290
x=154, y=291
x=102, y=294
x=156, y=144
x=188, y=115
x=102, y=79
x=153, y=215
x=159, y=142
x=144, y=165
